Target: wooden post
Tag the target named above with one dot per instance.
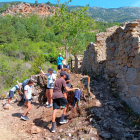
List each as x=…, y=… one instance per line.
x=88, y=85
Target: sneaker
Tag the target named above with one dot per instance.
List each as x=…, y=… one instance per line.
x=47, y=103
x=62, y=106
x=63, y=121
x=25, y=118
x=49, y=106
x=52, y=130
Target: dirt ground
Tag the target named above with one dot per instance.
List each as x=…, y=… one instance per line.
x=102, y=117
x=13, y=128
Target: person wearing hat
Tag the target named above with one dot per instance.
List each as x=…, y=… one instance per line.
x=50, y=85
x=59, y=62
x=59, y=99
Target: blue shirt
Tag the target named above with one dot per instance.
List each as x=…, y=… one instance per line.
x=59, y=61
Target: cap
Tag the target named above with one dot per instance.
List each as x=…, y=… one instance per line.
x=62, y=73
x=50, y=69
x=60, y=54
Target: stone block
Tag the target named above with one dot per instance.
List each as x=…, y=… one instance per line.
x=122, y=86
x=131, y=75
x=136, y=61
x=124, y=70
x=133, y=89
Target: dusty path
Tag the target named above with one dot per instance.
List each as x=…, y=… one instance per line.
x=105, y=117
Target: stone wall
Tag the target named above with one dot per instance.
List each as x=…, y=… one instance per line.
x=116, y=56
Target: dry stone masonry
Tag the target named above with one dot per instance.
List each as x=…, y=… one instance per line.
x=116, y=56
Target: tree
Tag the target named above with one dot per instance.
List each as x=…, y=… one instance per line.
x=48, y=3
x=36, y=2
x=71, y=24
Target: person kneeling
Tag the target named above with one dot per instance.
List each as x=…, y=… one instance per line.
x=59, y=99
x=27, y=97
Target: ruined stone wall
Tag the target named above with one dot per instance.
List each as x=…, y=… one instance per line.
x=116, y=56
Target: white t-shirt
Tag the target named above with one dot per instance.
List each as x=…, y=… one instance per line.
x=29, y=91
x=15, y=87
x=51, y=79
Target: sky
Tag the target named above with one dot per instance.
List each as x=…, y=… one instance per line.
x=93, y=3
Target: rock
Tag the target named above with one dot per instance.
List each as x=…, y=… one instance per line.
x=136, y=61
x=35, y=130
x=129, y=136
x=133, y=24
x=105, y=135
x=7, y=106
x=69, y=135
x=94, y=138
x=111, y=108
x=122, y=86
x=34, y=138
x=60, y=130
x=133, y=89
x=131, y=75
x=48, y=138
x=93, y=131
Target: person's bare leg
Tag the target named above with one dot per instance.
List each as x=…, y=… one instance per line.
x=47, y=95
x=53, y=115
x=65, y=109
x=9, y=100
x=27, y=109
x=50, y=95
x=65, y=95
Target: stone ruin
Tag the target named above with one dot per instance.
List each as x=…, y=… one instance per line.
x=41, y=9
x=116, y=56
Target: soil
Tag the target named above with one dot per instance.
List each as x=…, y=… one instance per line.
x=103, y=117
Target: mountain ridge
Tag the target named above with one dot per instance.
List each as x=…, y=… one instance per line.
x=120, y=15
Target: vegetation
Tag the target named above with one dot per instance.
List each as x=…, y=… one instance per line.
x=30, y=41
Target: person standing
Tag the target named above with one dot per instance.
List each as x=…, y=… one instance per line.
x=59, y=63
x=27, y=97
x=67, y=79
x=59, y=99
x=50, y=85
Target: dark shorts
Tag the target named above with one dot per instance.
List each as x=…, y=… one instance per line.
x=11, y=94
x=59, y=67
x=28, y=100
x=49, y=88
x=59, y=102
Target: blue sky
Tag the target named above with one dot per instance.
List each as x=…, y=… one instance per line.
x=98, y=3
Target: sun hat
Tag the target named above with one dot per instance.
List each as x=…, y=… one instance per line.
x=50, y=69
x=62, y=73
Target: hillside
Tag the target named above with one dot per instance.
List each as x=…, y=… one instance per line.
x=1, y=3
x=119, y=15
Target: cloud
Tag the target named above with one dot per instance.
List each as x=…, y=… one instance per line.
x=136, y=4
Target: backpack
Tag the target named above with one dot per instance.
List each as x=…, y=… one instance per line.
x=25, y=83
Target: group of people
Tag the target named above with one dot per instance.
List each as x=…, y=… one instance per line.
x=56, y=92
